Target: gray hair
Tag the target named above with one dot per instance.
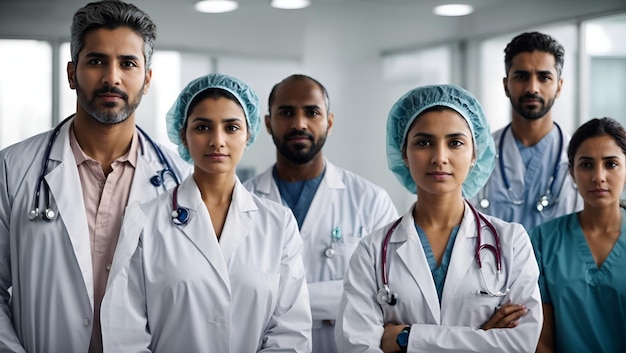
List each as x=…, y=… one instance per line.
x=112, y=14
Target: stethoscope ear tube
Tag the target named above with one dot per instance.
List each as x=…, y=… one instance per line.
x=180, y=215
x=385, y=295
x=49, y=214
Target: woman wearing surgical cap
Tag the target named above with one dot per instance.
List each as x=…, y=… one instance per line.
x=417, y=284
x=209, y=267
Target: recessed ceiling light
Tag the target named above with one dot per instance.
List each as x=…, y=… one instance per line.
x=453, y=10
x=216, y=6
x=290, y=4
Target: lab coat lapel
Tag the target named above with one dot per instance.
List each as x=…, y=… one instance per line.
x=127, y=243
x=323, y=199
x=238, y=223
x=199, y=229
x=147, y=166
x=64, y=183
x=412, y=254
x=462, y=257
x=266, y=186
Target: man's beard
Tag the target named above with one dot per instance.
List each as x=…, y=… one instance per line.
x=108, y=116
x=297, y=153
x=528, y=114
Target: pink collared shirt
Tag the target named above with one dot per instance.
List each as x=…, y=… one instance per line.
x=105, y=198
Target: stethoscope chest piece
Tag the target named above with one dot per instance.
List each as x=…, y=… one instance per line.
x=330, y=252
x=386, y=296
x=180, y=215
x=543, y=203
x=47, y=215
x=335, y=237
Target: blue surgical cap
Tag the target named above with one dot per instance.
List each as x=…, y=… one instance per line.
x=417, y=100
x=177, y=115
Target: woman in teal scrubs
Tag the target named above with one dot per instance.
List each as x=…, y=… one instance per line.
x=582, y=256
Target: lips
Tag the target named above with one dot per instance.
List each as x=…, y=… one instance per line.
x=599, y=191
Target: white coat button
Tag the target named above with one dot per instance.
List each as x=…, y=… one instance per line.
x=109, y=267
x=85, y=322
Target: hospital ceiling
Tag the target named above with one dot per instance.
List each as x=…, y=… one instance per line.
x=256, y=29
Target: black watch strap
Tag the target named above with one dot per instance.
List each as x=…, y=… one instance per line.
x=403, y=339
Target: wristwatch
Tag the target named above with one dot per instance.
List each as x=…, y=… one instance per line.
x=403, y=339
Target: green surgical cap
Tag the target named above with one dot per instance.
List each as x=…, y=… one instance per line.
x=177, y=115
x=417, y=100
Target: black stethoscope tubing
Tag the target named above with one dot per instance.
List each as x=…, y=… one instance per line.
x=48, y=213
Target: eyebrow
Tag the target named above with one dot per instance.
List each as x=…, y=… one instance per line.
x=539, y=72
x=452, y=135
x=104, y=56
x=309, y=106
x=223, y=121
x=603, y=158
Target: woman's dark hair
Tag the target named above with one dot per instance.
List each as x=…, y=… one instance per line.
x=594, y=128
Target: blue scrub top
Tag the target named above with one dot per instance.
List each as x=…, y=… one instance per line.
x=589, y=302
x=528, y=171
x=298, y=195
x=439, y=273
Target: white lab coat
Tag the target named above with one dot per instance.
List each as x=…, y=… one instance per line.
x=177, y=289
x=48, y=265
x=453, y=326
x=528, y=185
x=345, y=200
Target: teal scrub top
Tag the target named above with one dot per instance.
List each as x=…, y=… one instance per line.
x=439, y=273
x=589, y=302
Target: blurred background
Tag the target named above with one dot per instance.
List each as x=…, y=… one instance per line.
x=367, y=53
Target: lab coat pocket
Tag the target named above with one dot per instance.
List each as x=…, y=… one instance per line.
x=338, y=255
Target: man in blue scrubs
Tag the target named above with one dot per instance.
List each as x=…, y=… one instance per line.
x=334, y=207
x=530, y=183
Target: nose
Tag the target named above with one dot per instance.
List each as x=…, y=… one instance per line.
x=299, y=121
x=533, y=85
x=440, y=154
x=111, y=75
x=599, y=175
x=217, y=138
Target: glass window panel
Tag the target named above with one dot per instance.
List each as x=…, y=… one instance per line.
x=603, y=81
x=25, y=89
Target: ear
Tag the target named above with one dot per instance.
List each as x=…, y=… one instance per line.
x=505, y=80
x=571, y=174
x=183, y=137
x=71, y=74
x=558, y=89
x=147, y=81
x=268, y=125
x=404, y=157
x=331, y=121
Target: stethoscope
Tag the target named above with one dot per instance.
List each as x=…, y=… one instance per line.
x=544, y=201
x=49, y=214
x=386, y=296
x=335, y=237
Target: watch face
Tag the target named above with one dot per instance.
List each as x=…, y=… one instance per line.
x=403, y=338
